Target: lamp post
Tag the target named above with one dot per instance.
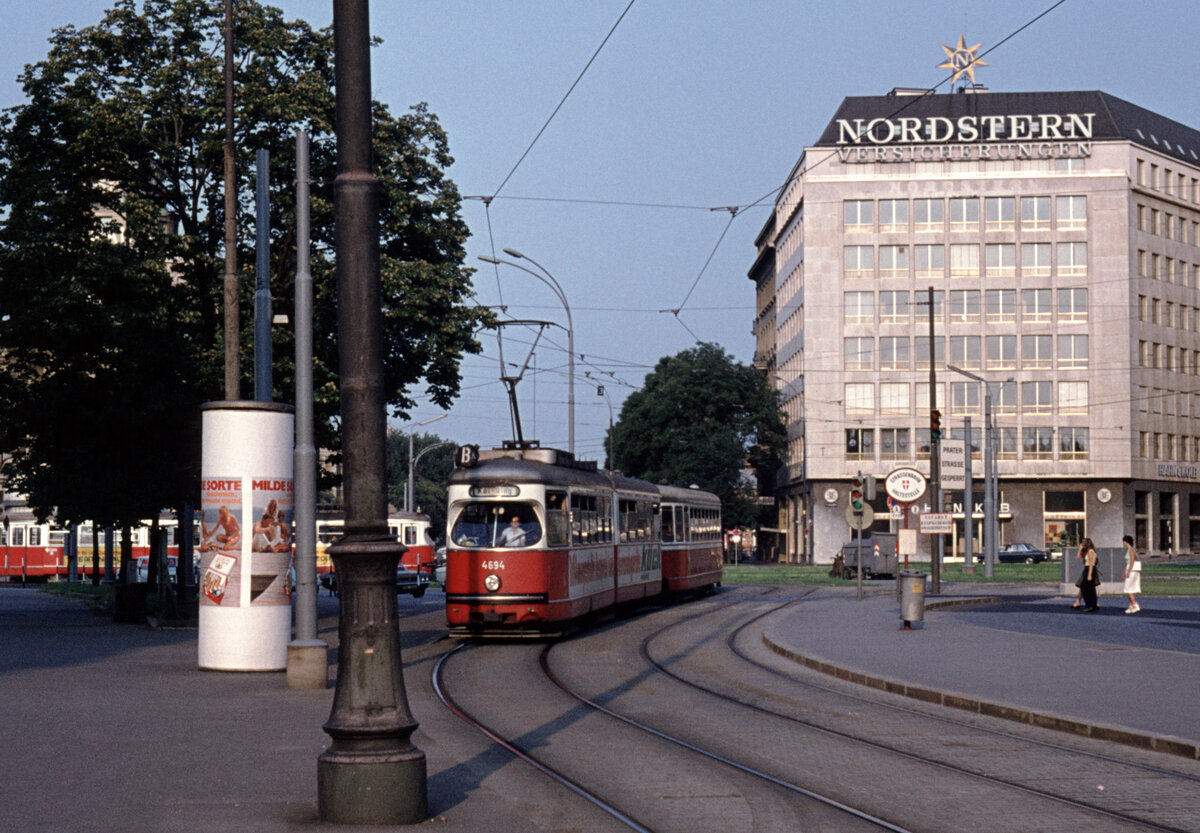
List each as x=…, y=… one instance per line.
x=410, y=497
x=600, y=391
x=991, y=523
x=550, y=281
x=372, y=773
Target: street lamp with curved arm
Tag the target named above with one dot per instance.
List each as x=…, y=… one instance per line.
x=412, y=468
x=549, y=280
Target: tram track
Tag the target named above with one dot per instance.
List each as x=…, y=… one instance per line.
x=1106, y=809
x=623, y=808
x=708, y=648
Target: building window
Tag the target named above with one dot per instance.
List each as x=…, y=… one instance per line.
x=893, y=215
x=893, y=261
x=1072, y=213
x=860, y=262
x=893, y=398
x=999, y=213
x=964, y=305
x=1143, y=218
x=858, y=307
x=893, y=307
x=1072, y=259
x=923, y=443
x=1001, y=259
x=1038, y=443
x=922, y=398
x=1035, y=305
x=965, y=352
x=1072, y=398
x=1001, y=352
x=859, y=353
x=1004, y=399
x=893, y=353
x=1072, y=443
x=1001, y=305
x=964, y=260
x=1035, y=260
x=930, y=215
x=1035, y=397
x=1072, y=304
x=857, y=216
x=964, y=214
x=1072, y=351
x=930, y=261
x=893, y=444
x=859, y=399
x=922, y=351
x=1008, y=444
x=1035, y=213
x=964, y=398
x=1036, y=352
x=1068, y=164
x=860, y=443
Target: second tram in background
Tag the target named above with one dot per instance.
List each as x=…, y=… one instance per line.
x=538, y=540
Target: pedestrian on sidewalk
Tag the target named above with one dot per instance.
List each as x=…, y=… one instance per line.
x=1079, y=584
x=1090, y=576
x=1133, y=575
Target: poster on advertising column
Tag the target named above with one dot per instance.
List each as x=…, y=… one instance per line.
x=221, y=542
x=271, y=542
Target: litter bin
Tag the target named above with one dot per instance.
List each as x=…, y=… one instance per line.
x=912, y=596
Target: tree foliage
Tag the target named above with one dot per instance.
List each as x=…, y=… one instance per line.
x=435, y=461
x=112, y=247
x=701, y=418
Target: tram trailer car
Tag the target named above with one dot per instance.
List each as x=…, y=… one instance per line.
x=538, y=540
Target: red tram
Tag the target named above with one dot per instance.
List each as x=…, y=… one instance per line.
x=538, y=539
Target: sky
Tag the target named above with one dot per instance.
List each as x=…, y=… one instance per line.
x=645, y=192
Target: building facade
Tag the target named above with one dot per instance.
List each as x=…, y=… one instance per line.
x=1046, y=243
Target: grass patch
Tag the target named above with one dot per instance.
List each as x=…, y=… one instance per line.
x=100, y=596
x=1157, y=579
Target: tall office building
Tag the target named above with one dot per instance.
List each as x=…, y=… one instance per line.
x=1055, y=239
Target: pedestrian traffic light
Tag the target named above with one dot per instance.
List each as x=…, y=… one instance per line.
x=935, y=425
x=856, y=493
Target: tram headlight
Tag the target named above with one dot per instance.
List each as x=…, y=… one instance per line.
x=492, y=583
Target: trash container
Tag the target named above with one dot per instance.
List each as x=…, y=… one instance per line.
x=912, y=596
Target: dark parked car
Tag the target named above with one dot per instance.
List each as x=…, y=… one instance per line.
x=1019, y=554
x=407, y=581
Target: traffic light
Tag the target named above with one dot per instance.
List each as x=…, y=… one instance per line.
x=935, y=425
x=856, y=493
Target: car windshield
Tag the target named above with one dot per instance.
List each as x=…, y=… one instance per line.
x=490, y=525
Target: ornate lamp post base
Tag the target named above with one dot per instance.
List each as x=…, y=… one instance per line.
x=371, y=773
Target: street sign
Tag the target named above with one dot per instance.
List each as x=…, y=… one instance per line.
x=935, y=523
x=952, y=467
x=905, y=485
x=868, y=516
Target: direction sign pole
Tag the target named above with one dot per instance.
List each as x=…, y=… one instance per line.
x=859, y=581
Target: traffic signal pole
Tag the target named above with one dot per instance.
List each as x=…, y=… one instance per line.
x=935, y=436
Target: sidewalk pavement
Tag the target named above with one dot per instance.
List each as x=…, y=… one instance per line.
x=1017, y=652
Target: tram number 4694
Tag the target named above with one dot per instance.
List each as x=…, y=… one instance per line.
x=493, y=565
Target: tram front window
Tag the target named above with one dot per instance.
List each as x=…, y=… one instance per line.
x=494, y=525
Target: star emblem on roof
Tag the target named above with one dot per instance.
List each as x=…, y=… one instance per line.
x=962, y=60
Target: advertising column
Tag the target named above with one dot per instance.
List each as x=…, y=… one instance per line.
x=245, y=536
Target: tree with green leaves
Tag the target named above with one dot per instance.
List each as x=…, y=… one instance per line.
x=112, y=247
x=435, y=461
x=702, y=418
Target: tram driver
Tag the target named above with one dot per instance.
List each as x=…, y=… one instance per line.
x=513, y=535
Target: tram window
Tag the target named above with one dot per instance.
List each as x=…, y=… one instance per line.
x=410, y=536
x=35, y=536
x=558, y=520
x=668, y=524
x=483, y=524
x=18, y=536
x=586, y=524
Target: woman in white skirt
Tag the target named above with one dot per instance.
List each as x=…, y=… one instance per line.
x=1133, y=575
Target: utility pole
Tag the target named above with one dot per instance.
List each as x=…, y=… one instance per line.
x=935, y=489
x=230, y=286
